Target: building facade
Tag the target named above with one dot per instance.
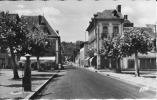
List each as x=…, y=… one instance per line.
x=103, y=25
x=83, y=54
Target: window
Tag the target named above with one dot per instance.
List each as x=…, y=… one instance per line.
x=105, y=29
x=105, y=32
x=115, y=29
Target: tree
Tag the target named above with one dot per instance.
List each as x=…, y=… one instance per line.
x=136, y=40
x=70, y=49
x=12, y=36
x=38, y=43
x=111, y=49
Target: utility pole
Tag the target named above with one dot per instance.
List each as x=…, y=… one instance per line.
x=98, y=53
x=96, y=26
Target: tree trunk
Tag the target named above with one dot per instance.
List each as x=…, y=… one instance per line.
x=15, y=72
x=38, y=64
x=136, y=65
x=110, y=66
x=117, y=66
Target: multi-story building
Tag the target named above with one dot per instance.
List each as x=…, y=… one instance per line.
x=108, y=23
x=104, y=24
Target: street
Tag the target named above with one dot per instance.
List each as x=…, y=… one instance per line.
x=79, y=83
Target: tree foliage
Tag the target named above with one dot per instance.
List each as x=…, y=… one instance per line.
x=12, y=35
x=70, y=49
x=111, y=48
x=37, y=44
x=136, y=40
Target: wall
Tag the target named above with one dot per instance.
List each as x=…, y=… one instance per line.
x=148, y=59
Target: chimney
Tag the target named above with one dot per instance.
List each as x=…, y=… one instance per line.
x=125, y=17
x=95, y=15
x=119, y=8
x=40, y=19
x=57, y=31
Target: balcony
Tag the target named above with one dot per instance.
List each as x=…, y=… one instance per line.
x=103, y=35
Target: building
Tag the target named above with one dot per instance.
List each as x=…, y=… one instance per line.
x=83, y=54
x=40, y=21
x=33, y=22
x=104, y=24
x=108, y=23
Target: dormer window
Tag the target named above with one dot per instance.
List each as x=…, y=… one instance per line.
x=115, y=13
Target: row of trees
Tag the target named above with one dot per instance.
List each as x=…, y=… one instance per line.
x=70, y=49
x=134, y=41
x=19, y=38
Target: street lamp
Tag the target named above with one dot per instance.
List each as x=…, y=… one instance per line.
x=27, y=74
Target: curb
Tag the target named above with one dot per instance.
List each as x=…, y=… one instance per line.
x=130, y=82
x=40, y=88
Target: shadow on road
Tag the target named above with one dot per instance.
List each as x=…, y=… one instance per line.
x=40, y=95
x=69, y=68
x=149, y=76
x=42, y=75
x=13, y=85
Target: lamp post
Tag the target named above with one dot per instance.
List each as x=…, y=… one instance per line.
x=27, y=74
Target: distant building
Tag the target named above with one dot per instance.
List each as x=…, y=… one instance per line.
x=83, y=54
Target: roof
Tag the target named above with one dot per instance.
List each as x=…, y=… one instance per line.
x=106, y=15
x=11, y=15
x=149, y=55
x=34, y=20
x=110, y=14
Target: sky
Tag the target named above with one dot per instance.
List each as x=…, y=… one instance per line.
x=71, y=17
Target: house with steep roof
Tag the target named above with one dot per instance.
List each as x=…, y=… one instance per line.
x=33, y=22
x=40, y=21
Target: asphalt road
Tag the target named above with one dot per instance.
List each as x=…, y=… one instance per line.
x=80, y=83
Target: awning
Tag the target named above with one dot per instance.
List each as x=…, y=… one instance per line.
x=91, y=59
x=40, y=58
x=87, y=58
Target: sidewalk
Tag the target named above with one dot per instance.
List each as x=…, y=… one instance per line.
x=147, y=79
x=12, y=89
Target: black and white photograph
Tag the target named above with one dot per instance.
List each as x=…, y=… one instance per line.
x=78, y=49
